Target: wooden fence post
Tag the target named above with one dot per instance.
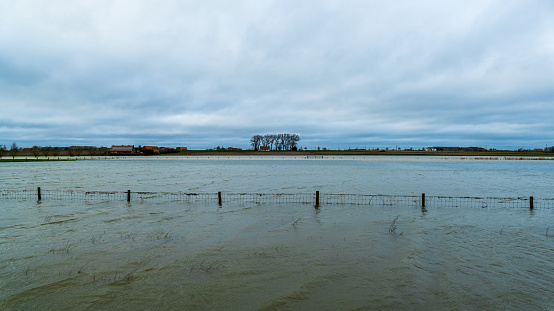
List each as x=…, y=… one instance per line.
x=531, y=202
x=39, y=194
x=128, y=195
x=317, y=198
x=423, y=200
x=219, y=198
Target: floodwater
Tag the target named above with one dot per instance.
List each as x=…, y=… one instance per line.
x=452, y=176
x=69, y=255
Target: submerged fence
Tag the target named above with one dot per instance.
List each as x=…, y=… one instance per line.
x=316, y=198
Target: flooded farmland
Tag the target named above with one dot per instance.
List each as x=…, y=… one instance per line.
x=142, y=255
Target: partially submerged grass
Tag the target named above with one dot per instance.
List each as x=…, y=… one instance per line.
x=115, y=278
x=128, y=275
x=392, y=227
x=166, y=236
x=95, y=239
x=82, y=267
x=205, y=267
x=128, y=236
x=66, y=249
x=266, y=251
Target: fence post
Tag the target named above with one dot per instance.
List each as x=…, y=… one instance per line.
x=128, y=195
x=423, y=200
x=219, y=198
x=317, y=198
x=531, y=202
x=38, y=193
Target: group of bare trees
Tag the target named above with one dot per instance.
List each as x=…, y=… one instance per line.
x=12, y=151
x=36, y=151
x=3, y=150
x=77, y=151
x=44, y=151
x=278, y=142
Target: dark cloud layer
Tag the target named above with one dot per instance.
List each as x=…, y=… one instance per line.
x=339, y=73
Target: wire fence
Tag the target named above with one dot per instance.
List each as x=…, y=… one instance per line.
x=279, y=198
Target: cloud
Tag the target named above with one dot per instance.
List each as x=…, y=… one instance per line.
x=336, y=73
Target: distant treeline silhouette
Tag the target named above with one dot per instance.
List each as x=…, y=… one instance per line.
x=275, y=142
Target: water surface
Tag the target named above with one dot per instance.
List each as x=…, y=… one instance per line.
x=74, y=255
x=451, y=176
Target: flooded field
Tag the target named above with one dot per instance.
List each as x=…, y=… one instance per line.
x=142, y=255
x=260, y=257
x=452, y=176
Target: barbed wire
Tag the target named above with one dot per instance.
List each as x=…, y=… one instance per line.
x=280, y=198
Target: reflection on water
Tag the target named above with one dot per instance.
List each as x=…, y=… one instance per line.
x=144, y=256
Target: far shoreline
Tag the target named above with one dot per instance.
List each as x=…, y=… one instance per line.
x=362, y=153
x=491, y=155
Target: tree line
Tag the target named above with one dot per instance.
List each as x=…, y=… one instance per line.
x=12, y=151
x=73, y=151
x=280, y=142
x=36, y=151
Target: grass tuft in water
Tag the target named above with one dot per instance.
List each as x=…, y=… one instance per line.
x=392, y=227
x=66, y=249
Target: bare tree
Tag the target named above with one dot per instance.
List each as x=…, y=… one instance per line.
x=46, y=151
x=256, y=141
x=291, y=141
x=14, y=150
x=104, y=151
x=273, y=143
x=2, y=150
x=279, y=141
x=35, y=151
x=92, y=151
x=266, y=141
x=55, y=151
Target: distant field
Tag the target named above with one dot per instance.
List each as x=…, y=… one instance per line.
x=30, y=157
x=364, y=153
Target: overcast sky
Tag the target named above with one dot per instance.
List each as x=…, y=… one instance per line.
x=340, y=74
